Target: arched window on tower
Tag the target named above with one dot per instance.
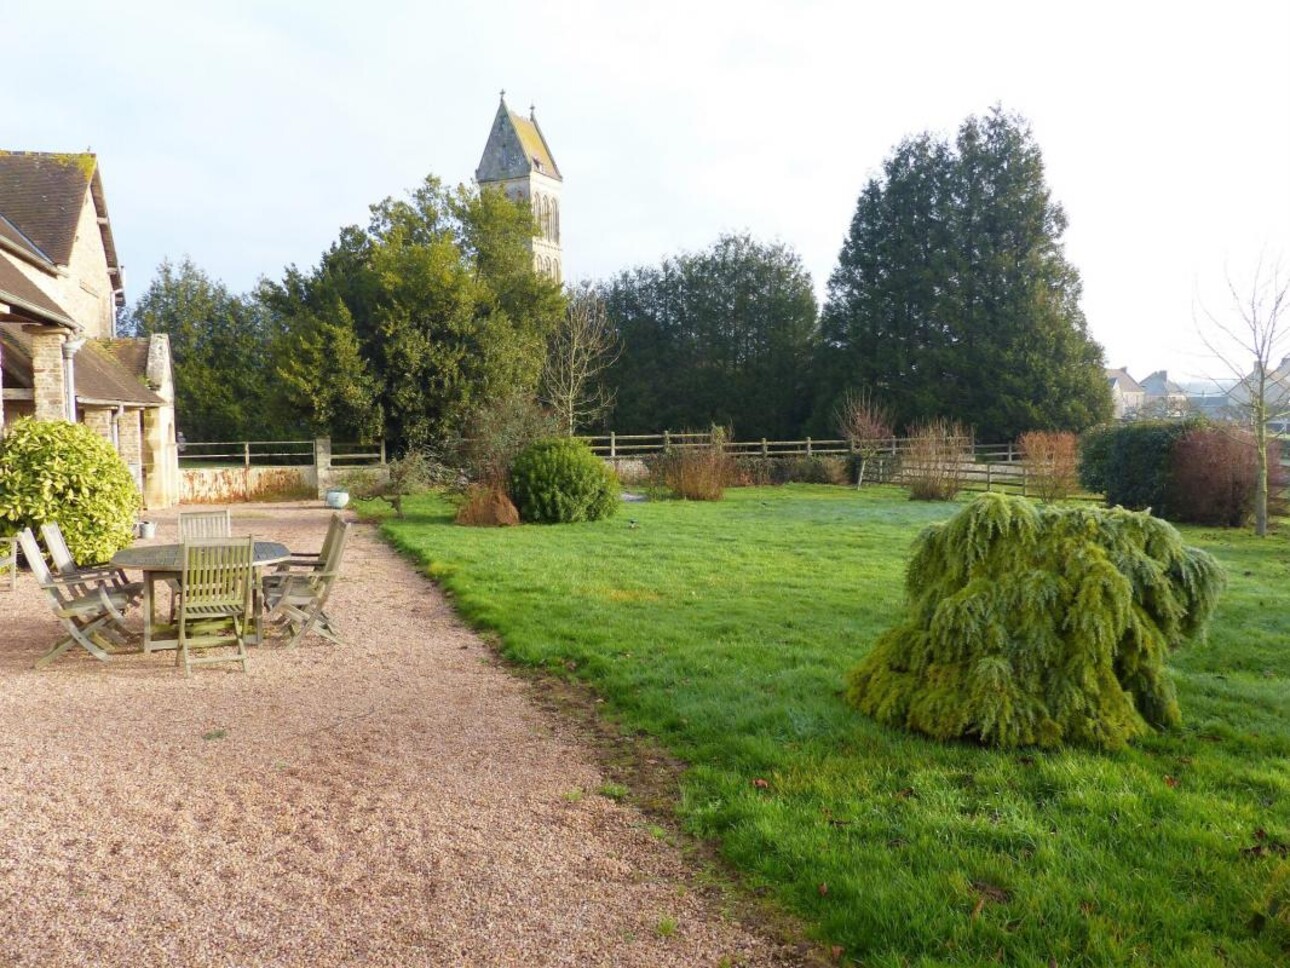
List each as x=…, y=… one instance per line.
x=555, y=220
x=546, y=217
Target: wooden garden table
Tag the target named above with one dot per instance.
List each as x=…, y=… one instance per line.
x=165, y=562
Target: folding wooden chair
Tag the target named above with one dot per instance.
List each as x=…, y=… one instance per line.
x=199, y=524
x=66, y=567
x=297, y=594
x=205, y=524
x=86, y=612
x=9, y=561
x=215, y=600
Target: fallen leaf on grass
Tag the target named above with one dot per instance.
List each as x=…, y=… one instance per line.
x=761, y=784
x=1171, y=781
x=823, y=889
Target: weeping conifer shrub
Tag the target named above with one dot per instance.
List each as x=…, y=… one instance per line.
x=1036, y=625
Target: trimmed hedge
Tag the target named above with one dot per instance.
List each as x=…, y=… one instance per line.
x=51, y=470
x=560, y=480
x=1132, y=464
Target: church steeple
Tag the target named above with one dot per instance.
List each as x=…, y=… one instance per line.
x=518, y=160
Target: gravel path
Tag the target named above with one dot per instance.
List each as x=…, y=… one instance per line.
x=401, y=800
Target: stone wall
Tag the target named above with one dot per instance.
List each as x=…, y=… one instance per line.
x=224, y=485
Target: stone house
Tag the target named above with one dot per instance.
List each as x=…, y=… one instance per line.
x=1127, y=394
x=61, y=284
x=1164, y=397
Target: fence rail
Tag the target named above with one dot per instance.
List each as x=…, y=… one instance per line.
x=276, y=453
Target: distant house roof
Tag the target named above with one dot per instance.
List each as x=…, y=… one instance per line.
x=1121, y=378
x=1158, y=384
x=515, y=149
x=100, y=376
x=23, y=295
x=41, y=196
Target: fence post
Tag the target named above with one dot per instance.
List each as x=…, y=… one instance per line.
x=383, y=461
x=667, y=439
x=808, y=446
x=765, y=450
x=322, y=463
x=246, y=470
x=987, y=477
x=613, y=445
x=1025, y=476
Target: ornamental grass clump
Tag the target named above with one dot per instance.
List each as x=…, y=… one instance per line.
x=51, y=470
x=1029, y=625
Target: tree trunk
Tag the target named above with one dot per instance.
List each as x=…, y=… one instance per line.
x=1261, y=480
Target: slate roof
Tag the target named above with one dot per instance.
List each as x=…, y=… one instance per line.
x=42, y=194
x=25, y=296
x=1127, y=383
x=1158, y=384
x=99, y=375
x=515, y=149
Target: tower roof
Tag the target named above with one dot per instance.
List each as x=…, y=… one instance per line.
x=515, y=149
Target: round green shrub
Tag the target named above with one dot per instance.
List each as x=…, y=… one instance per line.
x=561, y=480
x=51, y=470
x=1032, y=625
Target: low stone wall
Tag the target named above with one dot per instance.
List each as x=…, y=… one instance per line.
x=223, y=485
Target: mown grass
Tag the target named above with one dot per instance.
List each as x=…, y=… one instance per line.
x=724, y=631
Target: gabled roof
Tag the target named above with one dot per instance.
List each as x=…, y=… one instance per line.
x=1158, y=384
x=41, y=197
x=1121, y=378
x=30, y=303
x=515, y=149
x=99, y=376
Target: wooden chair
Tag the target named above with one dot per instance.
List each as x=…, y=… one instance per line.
x=66, y=567
x=214, y=600
x=205, y=524
x=9, y=561
x=87, y=612
x=297, y=593
x=199, y=524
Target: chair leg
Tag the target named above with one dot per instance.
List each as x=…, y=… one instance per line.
x=76, y=635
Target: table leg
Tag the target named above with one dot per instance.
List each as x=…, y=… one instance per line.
x=149, y=609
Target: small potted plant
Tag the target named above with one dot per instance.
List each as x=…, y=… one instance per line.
x=337, y=497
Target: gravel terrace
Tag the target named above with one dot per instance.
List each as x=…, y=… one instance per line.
x=401, y=800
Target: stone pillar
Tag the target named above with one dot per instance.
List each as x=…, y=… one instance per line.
x=130, y=443
x=99, y=420
x=322, y=464
x=47, y=375
x=161, y=484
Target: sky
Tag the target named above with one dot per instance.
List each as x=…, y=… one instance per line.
x=244, y=135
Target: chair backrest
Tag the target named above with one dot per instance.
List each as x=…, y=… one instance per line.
x=217, y=572
x=62, y=558
x=205, y=524
x=35, y=557
x=334, y=545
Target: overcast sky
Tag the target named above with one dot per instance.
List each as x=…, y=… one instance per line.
x=245, y=134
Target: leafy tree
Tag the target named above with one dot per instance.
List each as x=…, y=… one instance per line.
x=435, y=306
x=724, y=336
x=953, y=296
x=224, y=384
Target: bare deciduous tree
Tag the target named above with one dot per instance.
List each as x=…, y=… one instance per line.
x=865, y=423
x=1257, y=330
x=582, y=348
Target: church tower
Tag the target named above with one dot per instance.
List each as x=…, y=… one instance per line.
x=518, y=161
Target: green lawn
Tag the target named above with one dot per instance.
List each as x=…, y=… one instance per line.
x=724, y=630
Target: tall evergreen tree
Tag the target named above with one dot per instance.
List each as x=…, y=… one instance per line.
x=953, y=296
x=721, y=336
x=218, y=344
